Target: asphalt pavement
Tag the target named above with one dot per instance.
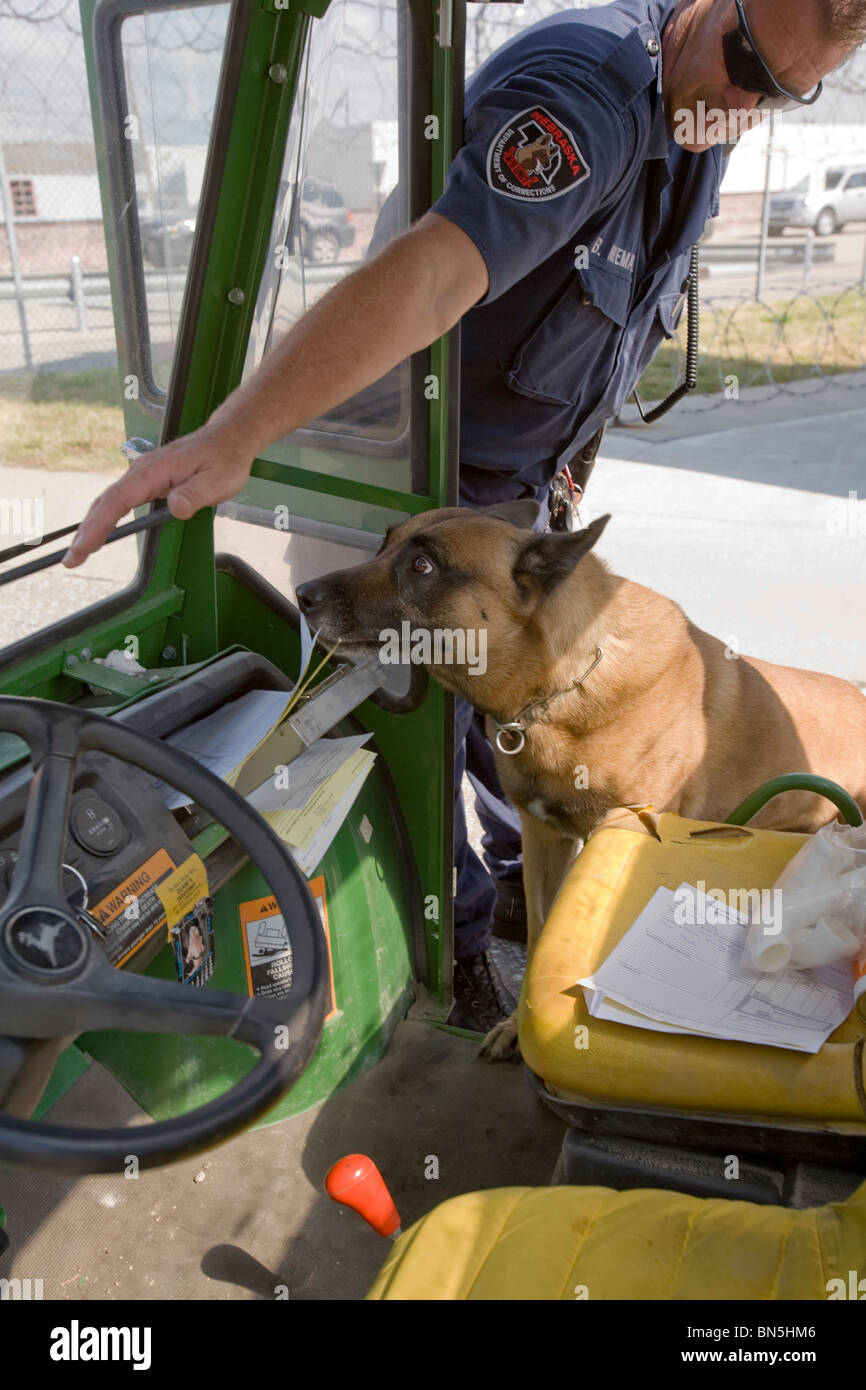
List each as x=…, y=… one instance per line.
x=752, y=517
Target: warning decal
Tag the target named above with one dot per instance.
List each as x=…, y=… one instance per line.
x=132, y=912
x=268, y=950
x=183, y=889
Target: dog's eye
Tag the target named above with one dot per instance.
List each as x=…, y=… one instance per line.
x=421, y=565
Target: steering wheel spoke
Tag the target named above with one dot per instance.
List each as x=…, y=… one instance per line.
x=103, y=998
x=38, y=873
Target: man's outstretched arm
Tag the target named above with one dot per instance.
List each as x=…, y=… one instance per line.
x=415, y=290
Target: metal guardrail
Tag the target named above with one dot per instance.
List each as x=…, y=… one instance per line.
x=817, y=326
x=805, y=251
x=78, y=284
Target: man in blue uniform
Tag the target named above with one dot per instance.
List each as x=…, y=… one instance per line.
x=585, y=212
x=562, y=241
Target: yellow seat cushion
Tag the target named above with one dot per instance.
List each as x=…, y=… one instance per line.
x=590, y=1242
x=611, y=881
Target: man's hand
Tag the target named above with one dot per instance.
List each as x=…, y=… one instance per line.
x=196, y=471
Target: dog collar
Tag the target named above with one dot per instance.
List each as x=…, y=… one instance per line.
x=510, y=738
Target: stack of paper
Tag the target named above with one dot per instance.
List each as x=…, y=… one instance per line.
x=687, y=977
x=224, y=740
x=305, y=800
x=227, y=739
x=307, y=804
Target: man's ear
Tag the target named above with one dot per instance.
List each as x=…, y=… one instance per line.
x=544, y=561
x=523, y=514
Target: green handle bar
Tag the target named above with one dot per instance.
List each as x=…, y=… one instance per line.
x=796, y=782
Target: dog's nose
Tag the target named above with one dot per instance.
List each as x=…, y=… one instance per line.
x=310, y=593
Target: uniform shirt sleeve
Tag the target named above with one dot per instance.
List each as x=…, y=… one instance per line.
x=541, y=154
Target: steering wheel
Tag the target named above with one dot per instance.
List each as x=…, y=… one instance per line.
x=56, y=979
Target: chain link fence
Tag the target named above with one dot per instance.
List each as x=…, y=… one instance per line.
x=55, y=304
x=779, y=306
x=753, y=349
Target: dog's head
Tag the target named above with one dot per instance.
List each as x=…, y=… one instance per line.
x=539, y=155
x=461, y=592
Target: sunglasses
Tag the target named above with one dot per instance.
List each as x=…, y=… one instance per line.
x=748, y=71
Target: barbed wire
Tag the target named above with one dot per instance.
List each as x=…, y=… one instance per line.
x=756, y=346
x=814, y=332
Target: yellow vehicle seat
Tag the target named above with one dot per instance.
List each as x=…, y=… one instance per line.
x=528, y=1243
x=611, y=881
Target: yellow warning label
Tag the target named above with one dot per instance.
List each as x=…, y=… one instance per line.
x=181, y=890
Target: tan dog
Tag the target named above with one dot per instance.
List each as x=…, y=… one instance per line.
x=667, y=716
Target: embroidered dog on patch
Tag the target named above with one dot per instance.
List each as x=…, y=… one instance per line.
x=537, y=157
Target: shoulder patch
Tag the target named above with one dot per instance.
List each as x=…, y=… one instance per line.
x=535, y=157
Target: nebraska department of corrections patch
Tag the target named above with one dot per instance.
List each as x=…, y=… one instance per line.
x=535, y=157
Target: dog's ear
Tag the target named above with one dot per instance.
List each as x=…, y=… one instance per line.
x=523, y=514
x=544, y=561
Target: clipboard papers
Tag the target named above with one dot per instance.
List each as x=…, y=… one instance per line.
x=677, y=971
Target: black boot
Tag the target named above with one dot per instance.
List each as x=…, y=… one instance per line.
x=480, y=998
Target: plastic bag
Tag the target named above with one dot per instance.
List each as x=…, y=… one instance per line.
x=821, y=893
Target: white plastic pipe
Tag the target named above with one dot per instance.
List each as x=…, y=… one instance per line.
x=772, y=948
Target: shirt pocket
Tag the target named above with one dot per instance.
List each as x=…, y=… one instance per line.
x=659, y=324
x=570, y=356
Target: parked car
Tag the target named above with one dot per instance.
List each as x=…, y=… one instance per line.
x=825, y=202
x=326, y=222
x=325, y=227
x=166, y=242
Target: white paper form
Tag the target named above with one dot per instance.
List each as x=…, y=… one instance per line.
x=305, y=774
x=689, y=975
x=320, y=834
x=222, y=741
x=599, y=1005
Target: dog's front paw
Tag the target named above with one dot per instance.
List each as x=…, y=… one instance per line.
x=501, y=1044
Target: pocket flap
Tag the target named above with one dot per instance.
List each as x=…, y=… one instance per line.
x=608, y=292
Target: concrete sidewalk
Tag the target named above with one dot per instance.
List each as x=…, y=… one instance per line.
x=750, y=526
x=58, y=499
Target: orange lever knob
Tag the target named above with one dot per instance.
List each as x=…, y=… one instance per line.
x=356, y=1182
